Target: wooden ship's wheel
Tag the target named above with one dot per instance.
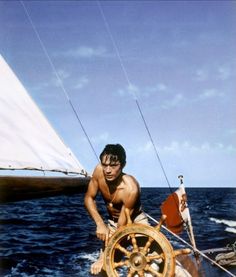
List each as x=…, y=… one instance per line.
x=138, y=250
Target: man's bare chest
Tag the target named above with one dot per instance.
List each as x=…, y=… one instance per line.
x=112, y=194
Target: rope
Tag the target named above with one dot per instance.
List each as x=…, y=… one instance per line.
x=194, y=249
x=58, y=77
x=226, y=258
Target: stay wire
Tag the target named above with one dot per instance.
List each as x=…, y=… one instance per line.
x=135, y=96
x=137, y=103
x=58, y=78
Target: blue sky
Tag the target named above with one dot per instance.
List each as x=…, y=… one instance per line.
x=177, y=57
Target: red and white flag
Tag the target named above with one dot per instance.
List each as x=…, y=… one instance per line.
x=176, y=209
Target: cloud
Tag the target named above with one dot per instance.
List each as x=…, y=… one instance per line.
x=101, y=138
x=201, y=75
x=86, y=52
x=147, y=147
x=58, y=80
x=81, y=83
x=177, y=148
x=210, y=93
x=40, y=86
x=224, y=73
x=174, y=101
x=204, y=164
x=161, y=87
x=63, y=74
x=148, y=91
x=59, y=77
x=131, y=89
x=231, y=132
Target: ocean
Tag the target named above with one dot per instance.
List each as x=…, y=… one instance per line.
x=56, y=237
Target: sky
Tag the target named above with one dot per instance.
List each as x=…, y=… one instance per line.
x=176, y=59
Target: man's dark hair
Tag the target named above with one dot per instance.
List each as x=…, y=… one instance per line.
x=116, y=152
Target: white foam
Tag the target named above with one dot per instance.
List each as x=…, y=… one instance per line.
x=230, y=223
x=231, y=230
x=88, y=256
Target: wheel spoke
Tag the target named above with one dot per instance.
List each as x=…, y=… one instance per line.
x=145, y=249
x=134, y=242
x=141, y=273
x=121, y=263
x=123, y=250
x=153, y=271
x=131, y=272
x=155, y=257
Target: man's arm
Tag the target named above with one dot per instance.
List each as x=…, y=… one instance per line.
x=90, y=204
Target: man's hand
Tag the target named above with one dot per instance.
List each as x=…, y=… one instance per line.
x=102, y=232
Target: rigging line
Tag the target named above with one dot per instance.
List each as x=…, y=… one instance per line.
x=154, y=146
x=135, y=96
x=189, y=245
x=114, y=43
x=137, y=102
x=58, y=78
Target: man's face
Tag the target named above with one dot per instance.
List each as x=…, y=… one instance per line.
x=111, y=168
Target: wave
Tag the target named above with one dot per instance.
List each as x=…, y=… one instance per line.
x=231, y=230
x=81, y=262
x=230, y=223
x=92, y=257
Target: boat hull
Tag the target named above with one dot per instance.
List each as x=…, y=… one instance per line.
x=18, y=188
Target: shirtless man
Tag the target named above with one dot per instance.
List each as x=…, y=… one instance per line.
x=118, y=190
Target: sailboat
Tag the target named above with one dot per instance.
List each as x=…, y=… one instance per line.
x=29, y=143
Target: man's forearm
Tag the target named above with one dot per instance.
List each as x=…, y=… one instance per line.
x=91, y=206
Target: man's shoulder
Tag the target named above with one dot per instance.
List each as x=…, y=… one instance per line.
x=97, y=173
x=98, y=169
x=128, y=177
x=130, y=180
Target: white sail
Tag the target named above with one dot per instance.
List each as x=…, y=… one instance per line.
x=27, y=140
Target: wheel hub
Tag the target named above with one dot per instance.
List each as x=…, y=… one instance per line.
x=137, y=261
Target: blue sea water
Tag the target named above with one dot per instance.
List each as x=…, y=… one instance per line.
x=55, y=236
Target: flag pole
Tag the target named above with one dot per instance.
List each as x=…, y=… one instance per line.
x=190, y=226
x=189, y=222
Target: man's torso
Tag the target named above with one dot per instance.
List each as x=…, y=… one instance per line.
x=115, y=193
